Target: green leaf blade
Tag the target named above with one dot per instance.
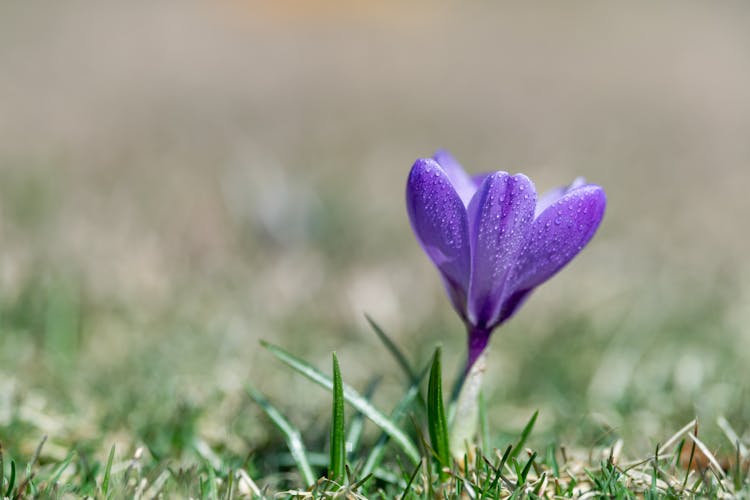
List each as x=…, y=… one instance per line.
x=524, y=435
x=393, y=349
x=12, y=480
x=337, y=461
x=376, y=454
x=351, y=396
x=108, y=472
x=290, y=433
x=437, y=422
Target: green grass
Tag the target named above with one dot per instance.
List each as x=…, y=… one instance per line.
x=516, y=473
x=380, y=461
x=173, y=395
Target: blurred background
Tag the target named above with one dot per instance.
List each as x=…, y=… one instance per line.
x=181, y=179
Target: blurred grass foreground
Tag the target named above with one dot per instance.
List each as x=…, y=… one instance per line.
x=179, y=180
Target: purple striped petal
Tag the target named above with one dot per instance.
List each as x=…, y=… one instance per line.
x=512, y=302
x=479, y=179
x=439, y=220
x=461, y=181
x=553, y=195
x=557, y=235
x=500, y=216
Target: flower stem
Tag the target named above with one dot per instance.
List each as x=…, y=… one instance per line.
x=478, y=338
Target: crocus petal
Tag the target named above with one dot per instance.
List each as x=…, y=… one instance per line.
x=553, y=195
x=460, y=180
x=478, y=179
x=500, y=216
x=440, y=222
x=512, y=302
x=557, y=235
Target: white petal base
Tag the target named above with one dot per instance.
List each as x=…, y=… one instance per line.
x=466, y=416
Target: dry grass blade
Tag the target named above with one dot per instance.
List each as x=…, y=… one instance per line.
x=678, y=435
x=731, y=435
x=710, y=456
x=246, y=484
x=614, y=452
x=645, y=478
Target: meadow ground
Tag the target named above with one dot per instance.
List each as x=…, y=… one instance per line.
x=180, y=180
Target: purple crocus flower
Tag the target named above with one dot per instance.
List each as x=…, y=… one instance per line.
x=492, y=239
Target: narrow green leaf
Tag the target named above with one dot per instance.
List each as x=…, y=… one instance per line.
x=737, y=479
x=355, y=486
x=678, y=452
x=655, y=471
x=202, y=487
x=394, y=350
x=552, y=460
x=291, y=435
x=230, y=485
x=538, y=488
x=524, y=435
x=689, y=465
x=108, y=471
x=376, y=454
x=351, y=396
x=213, y=492
x=357, y=422
x=427, y=451
x=436, y=421
x=413, y=476
x=498, y=473
x=12, y=479
x=55, y=477
x=527, y=468
x=338, y=441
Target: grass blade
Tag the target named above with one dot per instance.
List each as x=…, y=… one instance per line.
x=393, y=349
x=413, y=476
x=12, y=479
x=376, y=454
x=357, y=423
x=524, y=435
x=715, y=466
x=498, y=473
x=689, y=465
x=436, y=421
x=213, y=491
x=55, y=477
x=338, y=441
x=230, y=485
x=108, y=472
x=526, y=469
x=351, y=396
x=291, y=435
